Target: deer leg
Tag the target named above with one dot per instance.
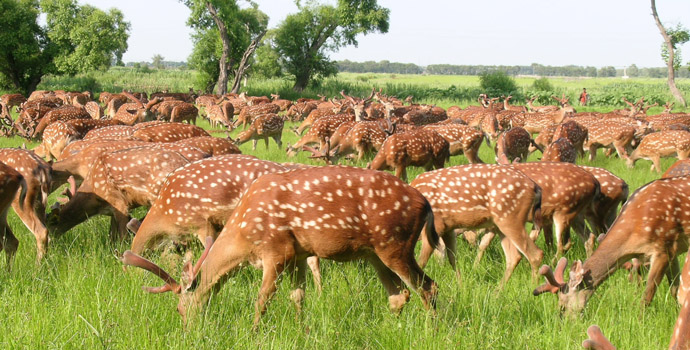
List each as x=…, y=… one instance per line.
x=512, y=258
x=397, y=294
x=517, y=235
x=656, y=163
x=592, y=152
x=118, y=225
x=620, y=149
x=483, y=244
x=34, y=221
x=298, y=273
x=426, y=250
x=673, y=276
x=659, y=263
x=313, y=262
x=254, y=142
x=277, y=139
x=8, y=241
x=405, y=266
x=272, y=269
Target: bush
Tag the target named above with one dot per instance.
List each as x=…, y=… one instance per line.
x=542, y=84
x=497, y=83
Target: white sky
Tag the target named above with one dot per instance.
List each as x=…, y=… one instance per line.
x=490, y=32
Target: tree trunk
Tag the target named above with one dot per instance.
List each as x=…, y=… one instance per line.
x=224, y=66
x=669, y=64
x=301, y=82
x=244, y=63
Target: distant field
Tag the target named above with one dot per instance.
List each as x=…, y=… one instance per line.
x=80, y=297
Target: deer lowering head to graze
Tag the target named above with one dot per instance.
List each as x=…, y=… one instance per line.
x=560, y=150
x=168, y=132
x=117, y=182
x=36, y=173
x=483, y=195
x=608, y=134
x=10, y=182
x=462, y=139
x=317, y=114
x=248, y=114
x=380, y=215
x=263, y=127
x=513, y=145
x=420, y=147
x=573, y=132
x=63, y=113
x=220, y=112
x=361, y=138
x=567, y=190
x=320, y=132
x=282, y=103
x=661, y=144
x=184, y=112
x=12, y=100
x=59, y=134
x=299, y=111
x=652, y=225
x=137, y=112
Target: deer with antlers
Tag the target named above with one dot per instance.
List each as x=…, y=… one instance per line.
x=320, y=132
x=419, y=147
x=483, y=195
x=12, y=100
x=652, y=224
x=136, y=112
x=381, y=215
x=540, y=109
x=248, y=114
x=220, y=112
x=661, y=144
x=30, y=206
x=263, y=127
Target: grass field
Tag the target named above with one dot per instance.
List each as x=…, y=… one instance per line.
x=80, y=297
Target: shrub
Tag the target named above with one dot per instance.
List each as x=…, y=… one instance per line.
x=542, y=84
x=497, y=83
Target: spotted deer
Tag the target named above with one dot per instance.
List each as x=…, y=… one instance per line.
x=11, y=183
x=248, y=114
x=168, y=132
x=299, y=111
x=213, y=146
x=220, y=112
x=540, y=109
x=59, y=134
x=661, y=144
x=315, y=115
x=601, y=214
x=560, y=150
x=363, y=137
x=282, y=103
x=483, y=195
x=137, y=112
x=651, y=225
x=184, y=112
x=573, y=132
x=679, y=168
x=263, y=127
x=508, y=107
x=117, y=182
x=462, y=139
x=381, y=216
x=31, y=208
x=609, y=134
x=421, y=147
x=320, y=132
x=63, y=113
x=513, y=145
x=114, y=132
x=567, y=190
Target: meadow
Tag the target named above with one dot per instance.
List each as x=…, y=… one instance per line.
x=80, y=297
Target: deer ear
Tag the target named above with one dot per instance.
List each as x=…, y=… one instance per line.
x=187, y=274
x=577, y=273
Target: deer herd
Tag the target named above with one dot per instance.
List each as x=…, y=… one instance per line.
x=130, y=150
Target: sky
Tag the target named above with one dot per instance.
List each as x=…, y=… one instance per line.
x=491, y=32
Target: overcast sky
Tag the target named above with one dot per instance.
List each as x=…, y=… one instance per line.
x=490, y=32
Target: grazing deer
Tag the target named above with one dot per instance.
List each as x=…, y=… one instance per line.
x=462, y=139
x=317, y=114
x=540, y=109
x=263, y=127
x=661, y=144
x=213, y=146
x=560, y=150
x=513, y=145
x=31, y=208
x=567, y=190
x=248, y=114
x=282, y=103
x=12, y=100
x=609, y=134
x=11, y=181
x=652, y=224
x=602, y=212
x=300, y=111
x=483, y=195
x=63, y=113
x=184, y=112
x=137, y=112
x=573, y=132
x=59, y=134
x=117, y=182
x=321, y=131
x=220, y=112
x=168, y=132
x=362, y=137
x=380, y=215
x=421, y=147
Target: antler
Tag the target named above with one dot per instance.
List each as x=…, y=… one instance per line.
x=554, y=282
x=133, y=98
x=129, y=258
x=597, y=340
x=628, y=102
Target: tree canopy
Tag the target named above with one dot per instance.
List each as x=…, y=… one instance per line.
x=304, y=39
x=75, y=39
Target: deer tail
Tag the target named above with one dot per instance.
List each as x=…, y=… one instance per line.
x=431, y=234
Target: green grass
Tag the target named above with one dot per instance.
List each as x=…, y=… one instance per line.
x=80, y=298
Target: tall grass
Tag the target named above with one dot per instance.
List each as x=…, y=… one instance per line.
x=80, y=297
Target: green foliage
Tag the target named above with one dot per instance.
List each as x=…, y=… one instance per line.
x=303, y=40
x=86, y=37
x=266, y=61
x=157, y=62
x=542, y=84
x=243, y=24
x=607, y=71
x=498, y=83
x=26, y=53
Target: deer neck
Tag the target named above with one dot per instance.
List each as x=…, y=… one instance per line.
x=605, y=260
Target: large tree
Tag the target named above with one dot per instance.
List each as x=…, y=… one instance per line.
x=672, y=38
x=75, y=39
x=223, y=36
x=304, y=39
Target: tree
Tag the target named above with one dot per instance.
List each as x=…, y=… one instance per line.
x=86, y=38
x=633, y=71
x=672, y=38
x=157, y=61
x=304, y=39
x=266, y=63
x=224, y=34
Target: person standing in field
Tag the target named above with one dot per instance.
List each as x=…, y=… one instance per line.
x=584, y=97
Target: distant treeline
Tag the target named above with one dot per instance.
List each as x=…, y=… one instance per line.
x=533, y=69
x=164, y=64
